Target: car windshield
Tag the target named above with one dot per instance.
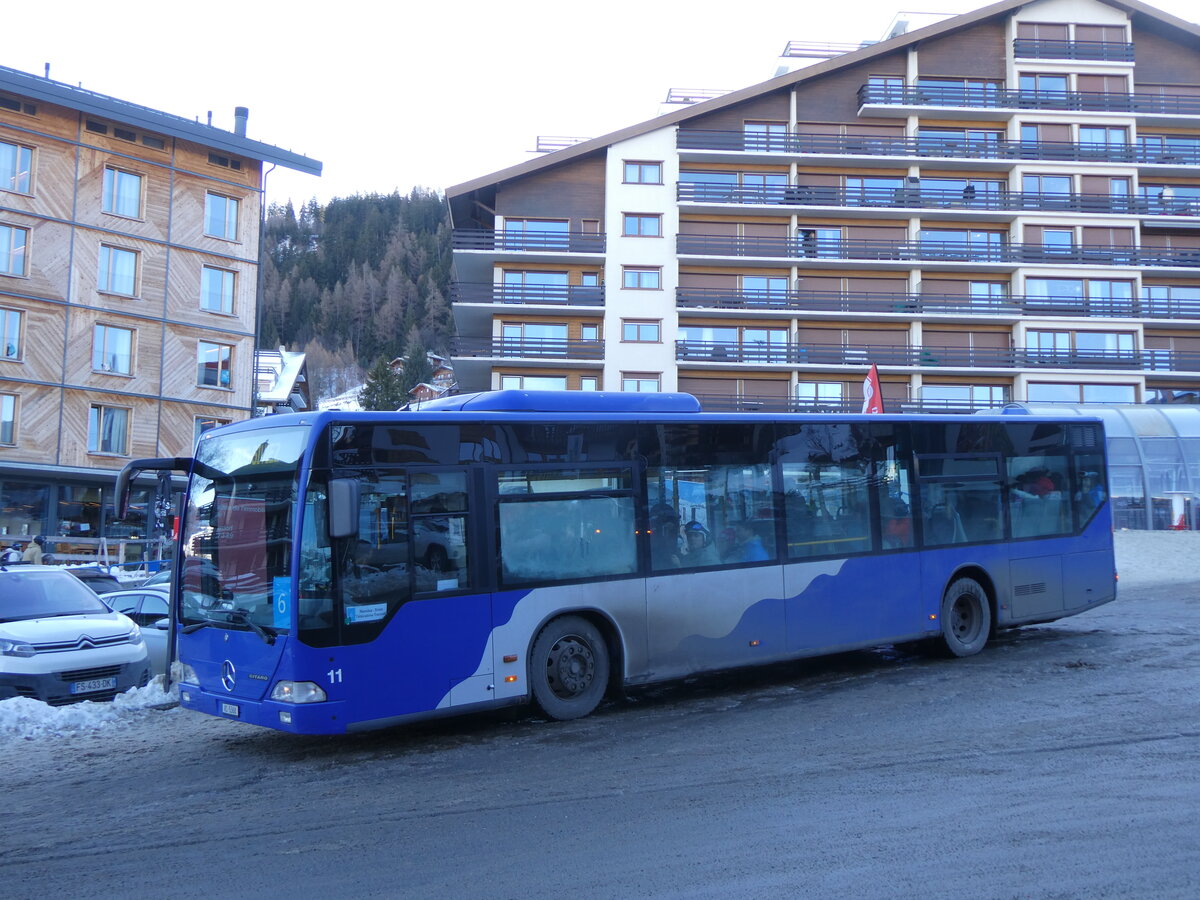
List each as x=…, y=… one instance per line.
x=35, y=595
x=237, y=539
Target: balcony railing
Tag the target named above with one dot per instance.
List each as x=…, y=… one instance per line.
x=541, y=294
x=532, y=241
x=935, y=251
x=932, y=357
x=924, y=197
x=929, y=145
x=1003, y=98
x=1105, y=51
x=528, y=348
x=930, y=302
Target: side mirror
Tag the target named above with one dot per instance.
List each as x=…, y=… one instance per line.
x=343, y=507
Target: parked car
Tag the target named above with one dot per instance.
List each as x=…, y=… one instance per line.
x=60, y=643
x=96, y=578
x=148, y=607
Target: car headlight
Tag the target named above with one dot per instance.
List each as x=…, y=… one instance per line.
x=135, y=636
x=298, y=692
x=15, y=648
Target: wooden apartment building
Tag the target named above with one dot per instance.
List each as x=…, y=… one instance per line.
x=129, y=244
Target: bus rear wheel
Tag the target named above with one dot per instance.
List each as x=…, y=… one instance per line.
x=966, y=618
x=568, y=668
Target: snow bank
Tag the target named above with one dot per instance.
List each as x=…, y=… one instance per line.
x=25, y=718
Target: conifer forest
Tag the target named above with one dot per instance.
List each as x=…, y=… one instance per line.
x=355, y=281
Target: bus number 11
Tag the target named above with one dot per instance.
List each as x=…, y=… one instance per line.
x=335, y=676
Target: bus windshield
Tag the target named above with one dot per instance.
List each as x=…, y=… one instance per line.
x=237, y=537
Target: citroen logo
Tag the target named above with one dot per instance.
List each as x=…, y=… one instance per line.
x=228, y=675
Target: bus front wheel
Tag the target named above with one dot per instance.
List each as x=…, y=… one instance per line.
x=966, y=618
x=568, y=668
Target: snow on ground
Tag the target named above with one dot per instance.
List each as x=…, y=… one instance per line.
x=1144, y=558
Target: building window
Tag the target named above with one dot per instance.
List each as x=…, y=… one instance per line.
x=214, y=364
x=8, y=419
x=533, y=382
x=122, y=193
x=642, y=225
x=10, y=333
x=13, y=241
x=820, y=393
x=16, y=167
x=641, y=279
x=118, y=271
x=216, y=289
x=589, y=332
x=221, y=216
x=108, y=430
x=640, y=331
x=112, y=350
x=589, y=383
x=642, y=172
x=1054, y=392
x=206, y=423
x=641, y=382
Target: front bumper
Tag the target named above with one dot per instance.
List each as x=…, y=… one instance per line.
x=306, y=718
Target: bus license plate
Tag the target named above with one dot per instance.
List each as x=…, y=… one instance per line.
x=95, y=684
x=230, y=709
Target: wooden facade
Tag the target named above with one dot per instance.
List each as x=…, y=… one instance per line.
x=109, y=300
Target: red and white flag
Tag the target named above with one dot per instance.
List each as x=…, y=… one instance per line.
x=872, y=395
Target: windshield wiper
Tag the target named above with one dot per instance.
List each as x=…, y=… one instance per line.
x=233, y=617
x=243, y=617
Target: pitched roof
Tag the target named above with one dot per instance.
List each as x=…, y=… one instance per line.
x=855, y=57
x=47, y=91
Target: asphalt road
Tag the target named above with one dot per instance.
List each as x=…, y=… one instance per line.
x=1064, y=761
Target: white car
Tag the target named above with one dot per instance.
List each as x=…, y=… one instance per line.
x=60, y=643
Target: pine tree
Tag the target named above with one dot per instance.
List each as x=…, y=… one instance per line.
x=384, y=389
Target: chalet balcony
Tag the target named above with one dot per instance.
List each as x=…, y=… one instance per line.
x=528, y=348
x=927, y=146
x=972, y=97
x=863, y=355
x=1015, y=254
x=529, y=294
x=767, y=302
x=917, y=196
x=1101, y=51
x=552, y=242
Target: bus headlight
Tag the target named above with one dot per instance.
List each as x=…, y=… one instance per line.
x=298, y=692
x=181, y=671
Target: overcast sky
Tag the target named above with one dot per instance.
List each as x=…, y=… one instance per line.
x=389, y=96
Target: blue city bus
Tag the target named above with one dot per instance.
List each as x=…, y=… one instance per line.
x=346, y=571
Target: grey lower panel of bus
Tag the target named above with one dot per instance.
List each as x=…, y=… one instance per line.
x=1047, y=587
x=673, y=625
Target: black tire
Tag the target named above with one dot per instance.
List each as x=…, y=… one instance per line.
x=966, y=618
x=568, y=668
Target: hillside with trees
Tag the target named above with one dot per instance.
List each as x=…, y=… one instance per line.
x=358, y=280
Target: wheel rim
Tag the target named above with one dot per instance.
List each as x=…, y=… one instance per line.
x=965, y=618
x=570, y=667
